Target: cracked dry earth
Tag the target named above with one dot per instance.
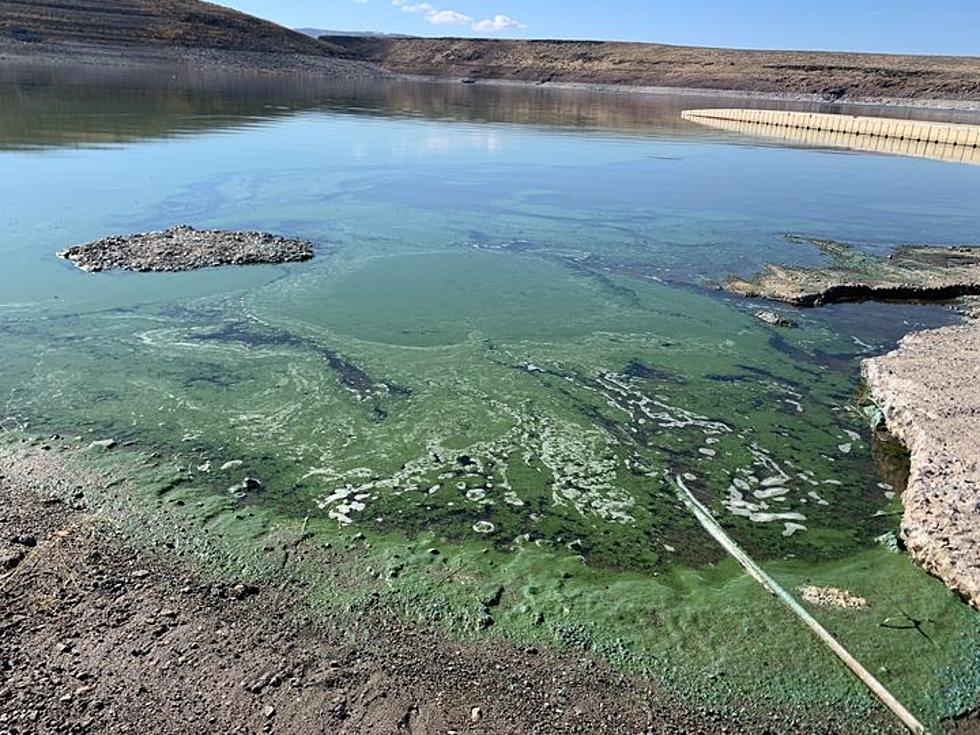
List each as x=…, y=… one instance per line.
x=97, y=636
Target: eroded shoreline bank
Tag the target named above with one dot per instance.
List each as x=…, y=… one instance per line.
x=928, y=390
x=823, y=76
x=792, y=100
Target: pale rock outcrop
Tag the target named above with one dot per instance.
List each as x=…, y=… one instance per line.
x=929, y=393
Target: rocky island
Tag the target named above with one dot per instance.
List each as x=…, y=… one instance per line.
x=183, y=248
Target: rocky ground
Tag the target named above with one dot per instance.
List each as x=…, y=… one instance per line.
x=911, y=273
x=98, y=635
x=184, y=248
x=134, y=23
x=182, y=63
x=928, y=391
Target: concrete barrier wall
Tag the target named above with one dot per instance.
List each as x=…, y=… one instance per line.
x=940, y=141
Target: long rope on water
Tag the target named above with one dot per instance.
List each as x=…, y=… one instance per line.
x=707, y=520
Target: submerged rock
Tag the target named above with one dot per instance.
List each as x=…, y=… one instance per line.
x=911, y=273
x=773, y=319
x=832, y=597
x=183, y=248
x=248, y=485
x=243, y=591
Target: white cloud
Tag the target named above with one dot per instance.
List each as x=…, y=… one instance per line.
x=448, y=18
x=496, y=23
x=408, y=7
x=438, y=17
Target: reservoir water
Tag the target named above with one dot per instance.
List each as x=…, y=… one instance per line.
x=510, y=343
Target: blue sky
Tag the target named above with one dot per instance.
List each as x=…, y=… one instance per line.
x=901, y=26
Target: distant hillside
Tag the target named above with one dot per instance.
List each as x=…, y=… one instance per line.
x=187, y=23
x=830, y=74
x=182, y=36
x=319, y=32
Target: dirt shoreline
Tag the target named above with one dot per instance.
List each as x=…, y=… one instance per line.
x=736, y=95
x=100, y=634
x=181, y=61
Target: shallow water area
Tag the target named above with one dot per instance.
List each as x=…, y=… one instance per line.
x=508, y=343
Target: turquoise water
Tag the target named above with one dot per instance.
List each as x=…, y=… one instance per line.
x=510, y=336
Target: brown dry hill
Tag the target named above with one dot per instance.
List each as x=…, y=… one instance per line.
x=833, y=75
x=187, y=23
x=179, y=36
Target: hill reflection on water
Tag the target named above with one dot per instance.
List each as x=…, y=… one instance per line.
x=46, y=107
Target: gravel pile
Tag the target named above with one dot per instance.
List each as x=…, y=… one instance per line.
x=184, y=248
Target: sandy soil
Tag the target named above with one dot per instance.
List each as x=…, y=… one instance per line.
x=177, y=60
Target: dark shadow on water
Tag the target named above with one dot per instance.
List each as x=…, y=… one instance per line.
x=352, y=376
x=891, y=460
